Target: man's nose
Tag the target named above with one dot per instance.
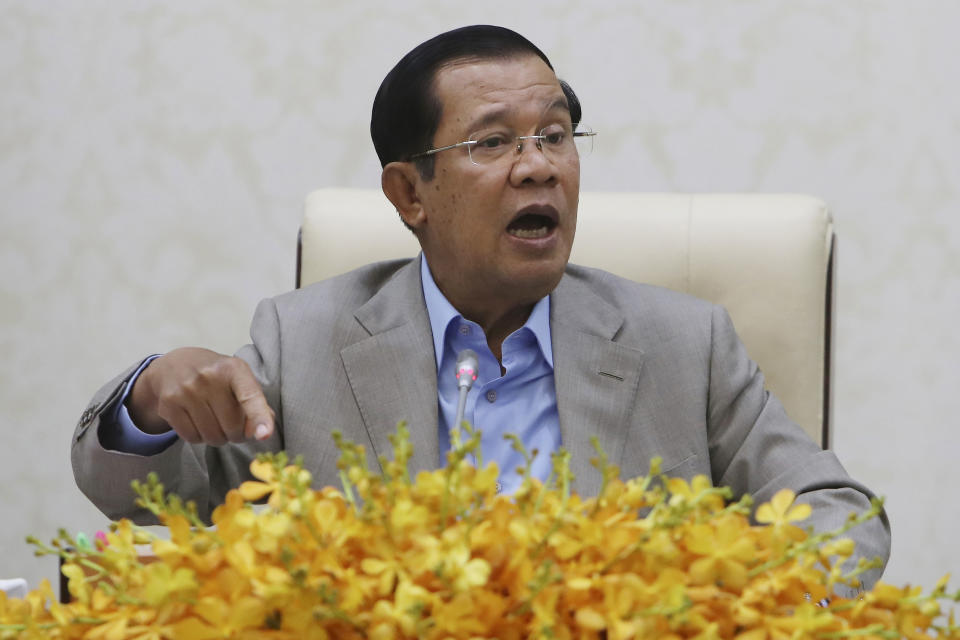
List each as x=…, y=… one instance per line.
x=532, y=163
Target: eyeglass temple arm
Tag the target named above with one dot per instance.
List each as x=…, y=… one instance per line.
x=430, y=152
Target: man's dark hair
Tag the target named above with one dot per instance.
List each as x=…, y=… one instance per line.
x=406, y=112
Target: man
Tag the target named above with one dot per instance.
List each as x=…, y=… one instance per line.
x=476, y=137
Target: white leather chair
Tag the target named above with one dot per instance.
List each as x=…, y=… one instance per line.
x=769, y=259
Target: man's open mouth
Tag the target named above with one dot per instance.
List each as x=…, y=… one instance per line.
x=533, y=222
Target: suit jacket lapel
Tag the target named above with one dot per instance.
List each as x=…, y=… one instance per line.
x=393, y=373
x=596, y=378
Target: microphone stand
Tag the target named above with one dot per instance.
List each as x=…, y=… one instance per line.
x=467, y=365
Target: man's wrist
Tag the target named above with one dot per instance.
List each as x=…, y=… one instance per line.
x=118, y=432
x=140, y=403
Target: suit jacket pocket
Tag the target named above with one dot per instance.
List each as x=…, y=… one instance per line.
x=686, y=468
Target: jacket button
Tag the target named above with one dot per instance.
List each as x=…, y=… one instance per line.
x=87, y=416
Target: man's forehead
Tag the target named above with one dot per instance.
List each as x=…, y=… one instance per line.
x=488, y=89
x=497, y=114
x=492, y=74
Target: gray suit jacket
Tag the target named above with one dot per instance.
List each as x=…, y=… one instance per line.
x=647, y=370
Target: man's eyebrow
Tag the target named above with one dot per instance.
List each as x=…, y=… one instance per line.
x=489, y=118
x=498, y=114
x=560, y=102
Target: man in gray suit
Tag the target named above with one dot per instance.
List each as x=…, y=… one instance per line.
x=477, y=138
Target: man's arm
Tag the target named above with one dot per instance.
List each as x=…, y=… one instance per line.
x=755, y=448
x=213, y=402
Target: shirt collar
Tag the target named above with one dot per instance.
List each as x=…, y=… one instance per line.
x=442, y=313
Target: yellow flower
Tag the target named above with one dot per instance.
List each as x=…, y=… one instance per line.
x=410, y=604
x=252, y=490
x=682, y=492
x=407, y=515
x=726, y=549
x=590, y=618
x=446, y=557
x=781, y=510
x=163, y=582
x=805, y=619
x=464, y=571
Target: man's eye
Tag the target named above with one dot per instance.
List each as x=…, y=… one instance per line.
x=554, y=135
x=492, y=141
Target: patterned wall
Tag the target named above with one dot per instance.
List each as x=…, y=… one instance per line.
x=154, y=156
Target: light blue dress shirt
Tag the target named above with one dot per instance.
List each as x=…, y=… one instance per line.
x=522, y=400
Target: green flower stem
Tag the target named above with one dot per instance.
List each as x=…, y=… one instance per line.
x=602, y=464
x=814, y=541
x=562, y=462
x=348, y=490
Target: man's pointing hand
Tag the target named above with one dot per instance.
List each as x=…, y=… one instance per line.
x=204, y=396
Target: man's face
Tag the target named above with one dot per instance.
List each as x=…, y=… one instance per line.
x=501, y=232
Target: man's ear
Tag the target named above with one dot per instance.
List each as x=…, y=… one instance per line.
x=399, y=182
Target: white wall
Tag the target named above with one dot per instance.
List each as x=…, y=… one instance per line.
x=154, y=156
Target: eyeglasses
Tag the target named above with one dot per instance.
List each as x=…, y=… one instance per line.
x=556, y=142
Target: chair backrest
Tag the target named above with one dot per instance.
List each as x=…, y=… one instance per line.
x=767, y=258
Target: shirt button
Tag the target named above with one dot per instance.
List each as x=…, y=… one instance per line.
x=464, y=330
x=491, y=396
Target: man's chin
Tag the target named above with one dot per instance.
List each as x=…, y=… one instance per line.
x=535, y=281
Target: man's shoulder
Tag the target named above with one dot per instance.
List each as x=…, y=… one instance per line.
x=347, y=290
x=630, y=296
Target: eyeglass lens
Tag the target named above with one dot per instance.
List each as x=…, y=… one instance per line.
x=554, y=141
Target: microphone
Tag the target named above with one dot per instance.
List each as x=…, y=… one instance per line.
x=467, y=366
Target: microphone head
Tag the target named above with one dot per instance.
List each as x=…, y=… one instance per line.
x=467, y=366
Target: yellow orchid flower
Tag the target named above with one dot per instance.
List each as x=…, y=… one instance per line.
x=781, y=509
x=444, y=556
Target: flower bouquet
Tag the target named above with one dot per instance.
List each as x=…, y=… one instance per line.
x=443, y=555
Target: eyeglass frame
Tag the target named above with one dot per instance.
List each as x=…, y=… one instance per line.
x=519, y=140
